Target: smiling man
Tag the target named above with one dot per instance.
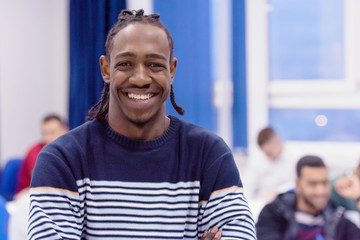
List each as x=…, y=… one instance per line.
x=131, y=172
x=306, y=214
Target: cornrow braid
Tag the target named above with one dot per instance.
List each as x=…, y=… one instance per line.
x=125, y=18
x=101, y=108
x=178, y=109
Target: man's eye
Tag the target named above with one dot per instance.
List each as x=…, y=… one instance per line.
x=124, y=64
x=156, y=65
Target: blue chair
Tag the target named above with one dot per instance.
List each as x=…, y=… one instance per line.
x=9, y=178
x=4, y=219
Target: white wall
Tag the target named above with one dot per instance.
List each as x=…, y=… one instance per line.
x=146, y=5
x=33, y=70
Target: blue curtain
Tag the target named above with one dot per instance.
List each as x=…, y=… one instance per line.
x=239, y=75
x=189, y=24
x=90, y=21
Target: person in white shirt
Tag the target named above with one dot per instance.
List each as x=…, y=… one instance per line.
x=272, y=174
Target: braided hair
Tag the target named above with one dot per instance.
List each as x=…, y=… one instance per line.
x=125, y=18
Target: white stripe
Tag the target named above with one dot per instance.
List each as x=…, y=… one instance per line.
x=148, y=219
x=140, y=191
x=141, y=185
x=137, y=233
x=49, y=204
x=233, y=230
x=59, y=221
x=44, y=226
x=41, y=234
x=215, y=199
x=144, y=213
x=59, y=211
x=153, y=226
x=141, y=205
x=103, y=198
x=219, y=215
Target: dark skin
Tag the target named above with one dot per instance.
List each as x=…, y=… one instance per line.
x=140, y=74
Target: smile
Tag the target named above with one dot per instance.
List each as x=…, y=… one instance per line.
x=140, y=96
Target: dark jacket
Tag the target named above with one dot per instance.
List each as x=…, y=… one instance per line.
x=277, y=221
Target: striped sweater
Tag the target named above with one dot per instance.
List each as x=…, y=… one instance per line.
x=93, y=183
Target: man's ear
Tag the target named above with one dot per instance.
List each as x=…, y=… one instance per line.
x=297, y=183
x=105, y=69
x=173, y=65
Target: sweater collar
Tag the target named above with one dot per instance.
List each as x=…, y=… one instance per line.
x=142, y=144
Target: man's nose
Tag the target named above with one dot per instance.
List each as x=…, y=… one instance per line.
x=140, y=76
x=322, y=189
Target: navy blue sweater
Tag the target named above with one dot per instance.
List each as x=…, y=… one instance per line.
x=93, y=183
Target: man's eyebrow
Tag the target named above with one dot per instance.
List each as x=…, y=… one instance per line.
x=155, y=55
x=130, y=54
x=125, y=54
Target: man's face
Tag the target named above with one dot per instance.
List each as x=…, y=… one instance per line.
x=272, y=148
x=139, y=74
x=313, y=189
x=51, y=130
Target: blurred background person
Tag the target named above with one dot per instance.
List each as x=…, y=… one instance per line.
x=52, y=127
x=346, y=190
x=273, y=174
x=306, y=213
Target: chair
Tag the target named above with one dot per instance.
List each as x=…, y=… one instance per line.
x=9, y=178
x=4, y=219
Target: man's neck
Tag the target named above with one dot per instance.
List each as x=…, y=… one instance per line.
x=146, y=131
x=302, y=206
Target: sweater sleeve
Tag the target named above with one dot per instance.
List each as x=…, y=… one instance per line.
x=222, y=202
x=56, y=209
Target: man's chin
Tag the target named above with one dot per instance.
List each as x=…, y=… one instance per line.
x=320, y=205
x=140, y=120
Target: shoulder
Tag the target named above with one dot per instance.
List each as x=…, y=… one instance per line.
x=73, y=144
x=348, y=227
x=80, y=134
x=283, y=204
x=199, y=135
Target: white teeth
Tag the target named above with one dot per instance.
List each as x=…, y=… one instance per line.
x=140, y=96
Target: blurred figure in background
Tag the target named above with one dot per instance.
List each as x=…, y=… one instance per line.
x=306, y=213
x=346, y=191
x=52, y=127
x=274, y=174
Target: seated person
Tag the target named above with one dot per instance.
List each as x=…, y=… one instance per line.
x=307, y=212
x=277, y=174
x=266, y=177
x=52, y=127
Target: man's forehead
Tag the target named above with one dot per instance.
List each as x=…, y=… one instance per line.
x=141, y=31
x=313, y=172
x=140, y=36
